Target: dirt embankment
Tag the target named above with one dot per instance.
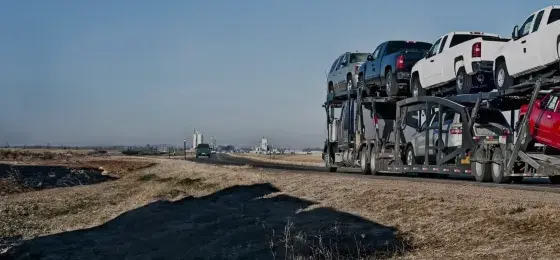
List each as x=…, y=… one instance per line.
x=182, y=209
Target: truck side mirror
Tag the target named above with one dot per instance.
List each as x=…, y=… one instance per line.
x=538, y=104
x=515, y=33
x=426, y=54
x=369, y=57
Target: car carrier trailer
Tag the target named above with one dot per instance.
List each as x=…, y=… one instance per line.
x=500, y=159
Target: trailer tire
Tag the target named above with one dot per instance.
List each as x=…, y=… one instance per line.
x=373, y=162
x=410, y=158
x=463, y=82
x=498, y=174
x=364, y=165
x=480, y=170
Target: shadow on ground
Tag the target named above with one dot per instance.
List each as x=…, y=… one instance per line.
x=21, y=178
x=234, y=223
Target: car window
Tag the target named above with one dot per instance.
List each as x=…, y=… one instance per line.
x=202, y=146
x=538, y=21
x=524, y=29
x=554, y=16
x=489, y=115
x=376, y=52
x=442, y=45
x=343, y=60
x=552, y=102
x=334, y=64
x=358, y=57
x=435, y=48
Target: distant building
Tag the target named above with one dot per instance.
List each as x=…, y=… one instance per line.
x=264, y=144
x=197, y=138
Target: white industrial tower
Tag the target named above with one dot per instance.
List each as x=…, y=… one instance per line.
x=197, y=138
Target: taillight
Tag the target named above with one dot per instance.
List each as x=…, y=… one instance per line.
x=400, y=62
x=456, y=131
x=375, y=120
x=507, y=132
x=477, y=50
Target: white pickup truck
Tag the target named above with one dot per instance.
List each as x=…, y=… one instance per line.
x=457, y=61
x=533, y=51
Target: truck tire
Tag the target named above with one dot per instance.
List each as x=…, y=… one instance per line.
x=373, y=162
x=416, y=88
x=328, y=163
x=481, y=170
x=498, y=175
x=391, y=84
x=502, y=78
x=364, y=165
x=463, y=82
x=410, y=158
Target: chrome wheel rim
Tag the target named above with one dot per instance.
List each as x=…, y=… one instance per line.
x=501, y=77
x=460, y=81
x=409, y=158
x=388, y=84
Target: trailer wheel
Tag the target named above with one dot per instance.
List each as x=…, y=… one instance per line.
x=364, y=165
x=373, y=163
x=498, y=175
x=480, y=170
x=463, y=81
x=329, y=163
x=410, y=157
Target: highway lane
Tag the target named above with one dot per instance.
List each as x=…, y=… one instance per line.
x=533, y=184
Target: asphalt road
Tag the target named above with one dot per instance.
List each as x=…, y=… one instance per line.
x=533, y=184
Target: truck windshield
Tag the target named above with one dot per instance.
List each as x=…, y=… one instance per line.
x=358, y=57
x=396, y=46
x=460, y=38
x=488, y=116
x=202, y=146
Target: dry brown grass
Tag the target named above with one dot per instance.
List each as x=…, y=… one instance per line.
x=440, y=221
x=295, y=159
x=15, y=154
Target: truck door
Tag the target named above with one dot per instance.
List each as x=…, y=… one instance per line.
x=371, y=70
x=429, y=73
x=546, y=130
x=377, y=64
x=518, y=58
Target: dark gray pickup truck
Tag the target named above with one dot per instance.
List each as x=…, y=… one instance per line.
x=387, y=69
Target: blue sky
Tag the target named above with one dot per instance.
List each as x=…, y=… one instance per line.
x=137, y=72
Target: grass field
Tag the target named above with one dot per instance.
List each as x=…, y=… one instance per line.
x=164, y=208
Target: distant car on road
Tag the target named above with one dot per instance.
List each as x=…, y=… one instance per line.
x=344, y=72
x=203, y=150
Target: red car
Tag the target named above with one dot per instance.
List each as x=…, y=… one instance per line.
x=544, y=121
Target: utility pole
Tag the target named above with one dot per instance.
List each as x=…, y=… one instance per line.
x=185, y=148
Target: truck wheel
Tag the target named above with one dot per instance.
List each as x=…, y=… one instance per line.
x=364, y=165
x=391, y=84
x=498, y=175
x=479, y=169
x=503, y=80
x=349, y=83
x=329, y=163
x=416, y=88
x=410, y=157
x=373, y=164
x=463, y=82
